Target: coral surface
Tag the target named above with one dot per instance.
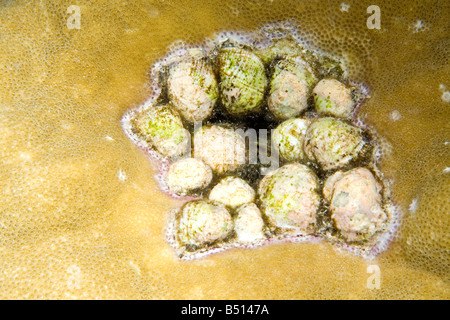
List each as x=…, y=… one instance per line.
x=81, y=215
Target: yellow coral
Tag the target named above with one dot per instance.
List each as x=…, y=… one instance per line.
x=81, y=216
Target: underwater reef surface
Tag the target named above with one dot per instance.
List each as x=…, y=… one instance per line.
x=81, y=214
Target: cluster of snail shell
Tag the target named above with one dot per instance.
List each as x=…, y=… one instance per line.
x=324, y=187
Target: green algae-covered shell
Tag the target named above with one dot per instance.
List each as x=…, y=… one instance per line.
x=290, y=86
x=289, y=198
x=288, y=139
x=333, y=143
x=193, y=89
x=333, y=98
x=232, y=192
x=248, y=224
x=324, y=65
x=202, y=222
x=242, y=80
x=279, y=49
x=163, y=128
x=187, y=175
x=222, y=148
x=355, y=203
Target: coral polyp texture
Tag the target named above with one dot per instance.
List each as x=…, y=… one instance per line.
x=323, y=183
x=82, y=216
